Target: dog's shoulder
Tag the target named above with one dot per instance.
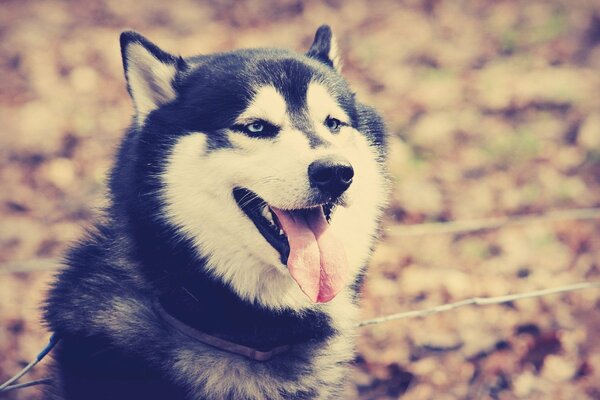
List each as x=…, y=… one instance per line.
x=95, y=273
x=93, y=368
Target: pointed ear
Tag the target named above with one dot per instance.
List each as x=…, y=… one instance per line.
x=149, y=71
x=325, y=49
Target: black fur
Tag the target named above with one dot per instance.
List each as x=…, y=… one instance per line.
x=134, y=257
x=322, y=45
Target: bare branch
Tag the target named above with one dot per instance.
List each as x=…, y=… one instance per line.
x=473, y=225
x=460, y=226
x=479, y=301
x=33, y=265
x=44, y=381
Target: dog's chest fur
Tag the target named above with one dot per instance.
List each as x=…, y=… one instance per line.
x=115, y=343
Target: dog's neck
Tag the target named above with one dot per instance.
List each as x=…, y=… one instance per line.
x=204, y=304
x=216, y=341
x=197, y=299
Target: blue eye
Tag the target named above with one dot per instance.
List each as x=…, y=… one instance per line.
x=255, y=127
x=333, y=124
x=258, y=129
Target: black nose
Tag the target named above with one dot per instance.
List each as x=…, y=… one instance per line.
x=331, y=175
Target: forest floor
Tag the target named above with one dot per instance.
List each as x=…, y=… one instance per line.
x=493, y=109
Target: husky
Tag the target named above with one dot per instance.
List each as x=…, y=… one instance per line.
x=244, y=204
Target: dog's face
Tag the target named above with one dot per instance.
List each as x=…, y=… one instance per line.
x=265, y=161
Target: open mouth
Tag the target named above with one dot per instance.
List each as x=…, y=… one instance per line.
x=266, y=221
x=315, y=258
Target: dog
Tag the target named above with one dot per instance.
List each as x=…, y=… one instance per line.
x=244, y=204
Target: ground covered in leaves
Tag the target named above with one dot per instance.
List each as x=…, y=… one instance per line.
x=493, y=109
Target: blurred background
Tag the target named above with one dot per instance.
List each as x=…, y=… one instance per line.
x=493, y=109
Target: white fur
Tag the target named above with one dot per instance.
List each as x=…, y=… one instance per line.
x=267, y=104
x=334, y=54
x=234, y=377
x=198, y=197
x=150, y=80
x=321, y=104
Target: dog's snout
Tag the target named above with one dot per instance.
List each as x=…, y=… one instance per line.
x=331, y=175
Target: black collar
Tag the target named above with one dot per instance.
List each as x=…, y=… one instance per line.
x=217, y=342
x=228, y=322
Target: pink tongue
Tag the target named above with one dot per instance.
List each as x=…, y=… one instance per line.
x=317, y=260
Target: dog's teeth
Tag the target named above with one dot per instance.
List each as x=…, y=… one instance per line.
x=272, y=218
x=266, y=213
x=281, y=232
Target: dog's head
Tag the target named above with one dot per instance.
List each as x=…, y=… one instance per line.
x=264, y=160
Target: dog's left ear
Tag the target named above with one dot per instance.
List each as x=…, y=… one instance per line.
x=150, y=73
x=325, y=49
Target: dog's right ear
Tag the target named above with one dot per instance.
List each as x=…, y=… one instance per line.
x=150, y=73
x=325, y=49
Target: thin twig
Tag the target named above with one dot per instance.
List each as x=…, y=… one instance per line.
x=45, y=381
x=479, y=301
x=10, y=384
x=473, y=225
x=19, y=375
x=32, y=265
x=436, y=228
